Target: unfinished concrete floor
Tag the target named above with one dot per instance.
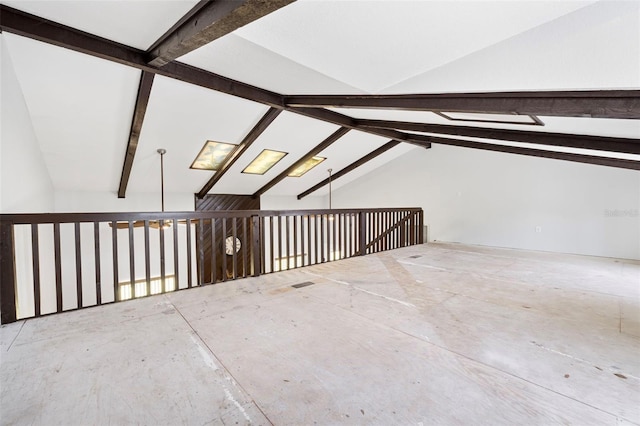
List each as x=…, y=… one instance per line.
x=432, y=334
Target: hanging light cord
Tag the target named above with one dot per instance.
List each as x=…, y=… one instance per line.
x=162, y=152
x=330, y=170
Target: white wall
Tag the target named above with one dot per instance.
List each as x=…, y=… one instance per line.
x=25, y=184
x=496, y=199
x=282, y=202
x=84, y=201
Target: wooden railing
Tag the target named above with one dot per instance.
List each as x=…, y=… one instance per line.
x=51, y=263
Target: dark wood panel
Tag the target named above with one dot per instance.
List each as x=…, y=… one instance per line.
x=224, y=202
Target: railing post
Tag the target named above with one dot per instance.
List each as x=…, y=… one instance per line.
x=403, y=234
x=7, y=274
x=421, y=230
x=362, y=229
x=256, y=246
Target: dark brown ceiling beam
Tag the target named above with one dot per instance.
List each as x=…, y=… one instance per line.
x=314, y=151
x=351, y=167
x=588, y=103
x=578, y=158
x=257, y=130
x=211, y=20
x=599, y=143
x=144, y=91
x=27, y=25
x=31, y=26
x=350, y=123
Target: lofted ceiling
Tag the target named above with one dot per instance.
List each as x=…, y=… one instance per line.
x=83, y=101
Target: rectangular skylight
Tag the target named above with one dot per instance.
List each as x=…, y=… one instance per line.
x=491, y=118
x=264, y=161
x=306, y=166
x=212, y=155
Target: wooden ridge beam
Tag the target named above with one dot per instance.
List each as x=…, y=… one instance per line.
x=384, y=148
x=599, y=143
x=313, y=152
x=624, y=104
x=209, y=21
x=578, y=158
x=253, y=134
x=144, y=91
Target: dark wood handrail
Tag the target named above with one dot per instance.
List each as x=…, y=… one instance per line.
x=204, y=249
x=29, y=218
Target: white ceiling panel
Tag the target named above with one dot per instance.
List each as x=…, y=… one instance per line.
x=180, y=118
x=81, y=109
x=596, y=47
x=136, y=23
x=240, y=59
x=291, y=133
x=375, y=44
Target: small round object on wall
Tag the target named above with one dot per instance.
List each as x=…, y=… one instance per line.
x=228, y=244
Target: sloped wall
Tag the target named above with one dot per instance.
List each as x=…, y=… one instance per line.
x=25, y=184
x=502, y=200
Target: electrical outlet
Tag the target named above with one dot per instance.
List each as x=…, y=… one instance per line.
x=538, y=229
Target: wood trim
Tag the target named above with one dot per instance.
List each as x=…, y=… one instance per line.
x=624, y=104
x=144, y=91
x=314, y=151
x=578, y=158
x=209, y=22
x=251, y=137
x=350, y=167
x=600, y=143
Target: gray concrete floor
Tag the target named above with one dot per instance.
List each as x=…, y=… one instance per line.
x=433, y=334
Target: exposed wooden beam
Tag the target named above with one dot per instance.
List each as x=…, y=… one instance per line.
x=144, y=90
x=210, y=21
x=578, y=158
x=31, y=26
x=599, y=143
x=603, y=104
x=350, y=123
x=27, y=25
x=314, y=151
x=588, y=103
x=257, y=130
x=384, y=148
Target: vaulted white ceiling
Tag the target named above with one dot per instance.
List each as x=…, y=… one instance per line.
x=81, y=106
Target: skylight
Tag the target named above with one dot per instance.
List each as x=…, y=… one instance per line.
x=212, y=155
x=492, y=118
x=264, y=161
x=306, y=166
